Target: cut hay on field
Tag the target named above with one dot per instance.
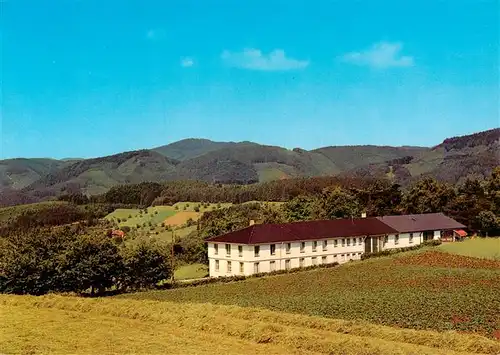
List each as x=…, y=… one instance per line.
x=76, y=325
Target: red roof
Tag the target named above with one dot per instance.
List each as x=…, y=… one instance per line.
x=356, y=227
x=421, y=222
x=298, y=231
x=461, y=232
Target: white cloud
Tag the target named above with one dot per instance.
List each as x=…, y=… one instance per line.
x=380, y=55
x=187, y=62
x=254, y=59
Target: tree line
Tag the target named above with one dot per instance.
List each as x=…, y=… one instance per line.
x=74, y=258
x=476, y=204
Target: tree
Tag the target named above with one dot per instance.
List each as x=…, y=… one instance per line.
x=492, y=190
x=488, y=221
x=469, y=201
x=299, y=208
x=428, y=196
x=144, y=266
x=336, y=203
x=90, y=262
x=380, y=198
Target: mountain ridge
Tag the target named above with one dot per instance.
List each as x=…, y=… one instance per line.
x=246, y=162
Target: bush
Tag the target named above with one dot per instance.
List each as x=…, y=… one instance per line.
x=197, y=209
x=126, y=229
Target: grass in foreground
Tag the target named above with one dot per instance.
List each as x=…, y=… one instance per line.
x=398, y=291
x=479, y=247
x=57, y=324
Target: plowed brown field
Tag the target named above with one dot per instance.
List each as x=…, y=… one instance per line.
x=182, y=217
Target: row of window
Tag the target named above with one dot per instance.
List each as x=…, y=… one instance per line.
x=396, y=239
x=272, y=264
x=288, y=248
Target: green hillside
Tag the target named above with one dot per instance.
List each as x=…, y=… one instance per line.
x=29, y=180
x=19, y=173
x=190, y=148
x=93, y=176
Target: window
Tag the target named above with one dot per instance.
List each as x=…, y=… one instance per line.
x=288, y=248
x=240, y=250
x=386, y=239
x=302, y=247
x=335, y=243
x=301, y=262
x=256, y=250
x=242, y=268
x=228, y=266
x=396, y=239
x=216, y=249
x=325, y=245
x=256, y=268
x=228, y=249
x=272, y=265
x=216, y=265
x=343, y=242
x=314, y=260
x=360, y=241
x=411, y=238
x=287, y=264
x=273, y=249
x=315, y=245
x=323, y=259
x=348, y=242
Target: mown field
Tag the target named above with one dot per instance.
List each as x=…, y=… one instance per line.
x=479, y=247
x=70, y=325
x=427, y=289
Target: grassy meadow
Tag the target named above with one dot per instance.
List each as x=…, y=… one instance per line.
x=488, y=248
x=191, y=271
x=426, y=289
x=64, y=325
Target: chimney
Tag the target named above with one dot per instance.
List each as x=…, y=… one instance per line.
x=252, y=222
x=363, y=215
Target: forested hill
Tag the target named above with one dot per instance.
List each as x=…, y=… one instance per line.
x=29, y=180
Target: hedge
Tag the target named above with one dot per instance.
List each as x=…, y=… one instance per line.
x=225, y=279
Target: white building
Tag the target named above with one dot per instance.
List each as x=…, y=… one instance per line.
x=269, y=247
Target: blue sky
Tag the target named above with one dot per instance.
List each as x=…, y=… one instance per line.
x=87, y=78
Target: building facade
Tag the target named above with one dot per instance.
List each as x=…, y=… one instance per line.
x=271, y=247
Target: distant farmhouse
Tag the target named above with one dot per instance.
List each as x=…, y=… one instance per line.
x=269, y=247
